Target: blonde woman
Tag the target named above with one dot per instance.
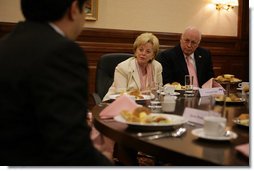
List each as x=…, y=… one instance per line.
x=141, y=71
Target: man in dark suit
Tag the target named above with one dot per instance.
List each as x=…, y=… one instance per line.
x=43, y=88
x=174, y=60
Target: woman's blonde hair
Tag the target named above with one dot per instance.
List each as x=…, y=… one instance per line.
x=147, y=38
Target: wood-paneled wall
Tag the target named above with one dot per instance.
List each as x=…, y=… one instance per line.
x=230, y=54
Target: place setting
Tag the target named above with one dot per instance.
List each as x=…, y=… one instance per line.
x=169, y=89
x=175, y=88
x=126, y=111
x=151, y=121
x=151, y=126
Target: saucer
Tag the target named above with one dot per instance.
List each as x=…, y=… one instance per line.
x=171, y=94
x=200, y=133
x=175, y=94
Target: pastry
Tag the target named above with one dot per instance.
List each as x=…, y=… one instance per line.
x=227, y=78
x=243, y=116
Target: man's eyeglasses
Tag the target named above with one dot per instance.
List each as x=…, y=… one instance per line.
x=193, y=43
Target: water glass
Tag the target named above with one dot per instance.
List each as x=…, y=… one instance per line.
x=188, y=85
x=156, y=91
x=168, y=104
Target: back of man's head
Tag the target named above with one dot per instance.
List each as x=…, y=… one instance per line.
x=47, y=10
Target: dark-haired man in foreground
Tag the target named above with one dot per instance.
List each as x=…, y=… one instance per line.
x=43, y=88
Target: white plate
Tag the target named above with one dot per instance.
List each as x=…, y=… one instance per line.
x=200, y=133
x=172, y=94
x=231, y=102
x=175, y=120
x=244, y=122
x=146, y=97
x=175, y=94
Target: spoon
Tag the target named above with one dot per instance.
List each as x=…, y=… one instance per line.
x=177, y=133
x=144, y=134
x=227, y=133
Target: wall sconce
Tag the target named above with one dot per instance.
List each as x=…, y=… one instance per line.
x=225, y=4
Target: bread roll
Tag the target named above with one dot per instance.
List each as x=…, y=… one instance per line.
x=243, y=116
x=228, y=76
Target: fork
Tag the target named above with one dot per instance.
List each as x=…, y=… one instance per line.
x=177, y=133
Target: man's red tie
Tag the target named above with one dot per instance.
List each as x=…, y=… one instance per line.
x=192, y=71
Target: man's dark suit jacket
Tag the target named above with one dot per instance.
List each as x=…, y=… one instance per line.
x=43, y=99
x=175, y=67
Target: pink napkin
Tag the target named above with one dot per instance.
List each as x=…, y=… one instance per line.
x=208, y=84
x=244, y=149
x=121, y=103
x=211, y=83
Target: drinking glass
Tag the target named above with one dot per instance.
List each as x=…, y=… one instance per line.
x=156, y=90
x=188, y=85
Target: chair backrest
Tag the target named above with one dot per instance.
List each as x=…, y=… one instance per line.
x=105, y=71
x=158, y=57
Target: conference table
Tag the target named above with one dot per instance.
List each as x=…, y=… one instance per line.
x=187, y=150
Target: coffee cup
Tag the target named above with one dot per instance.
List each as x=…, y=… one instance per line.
x=240, y=85
x=214, y=126
x=245, y=86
